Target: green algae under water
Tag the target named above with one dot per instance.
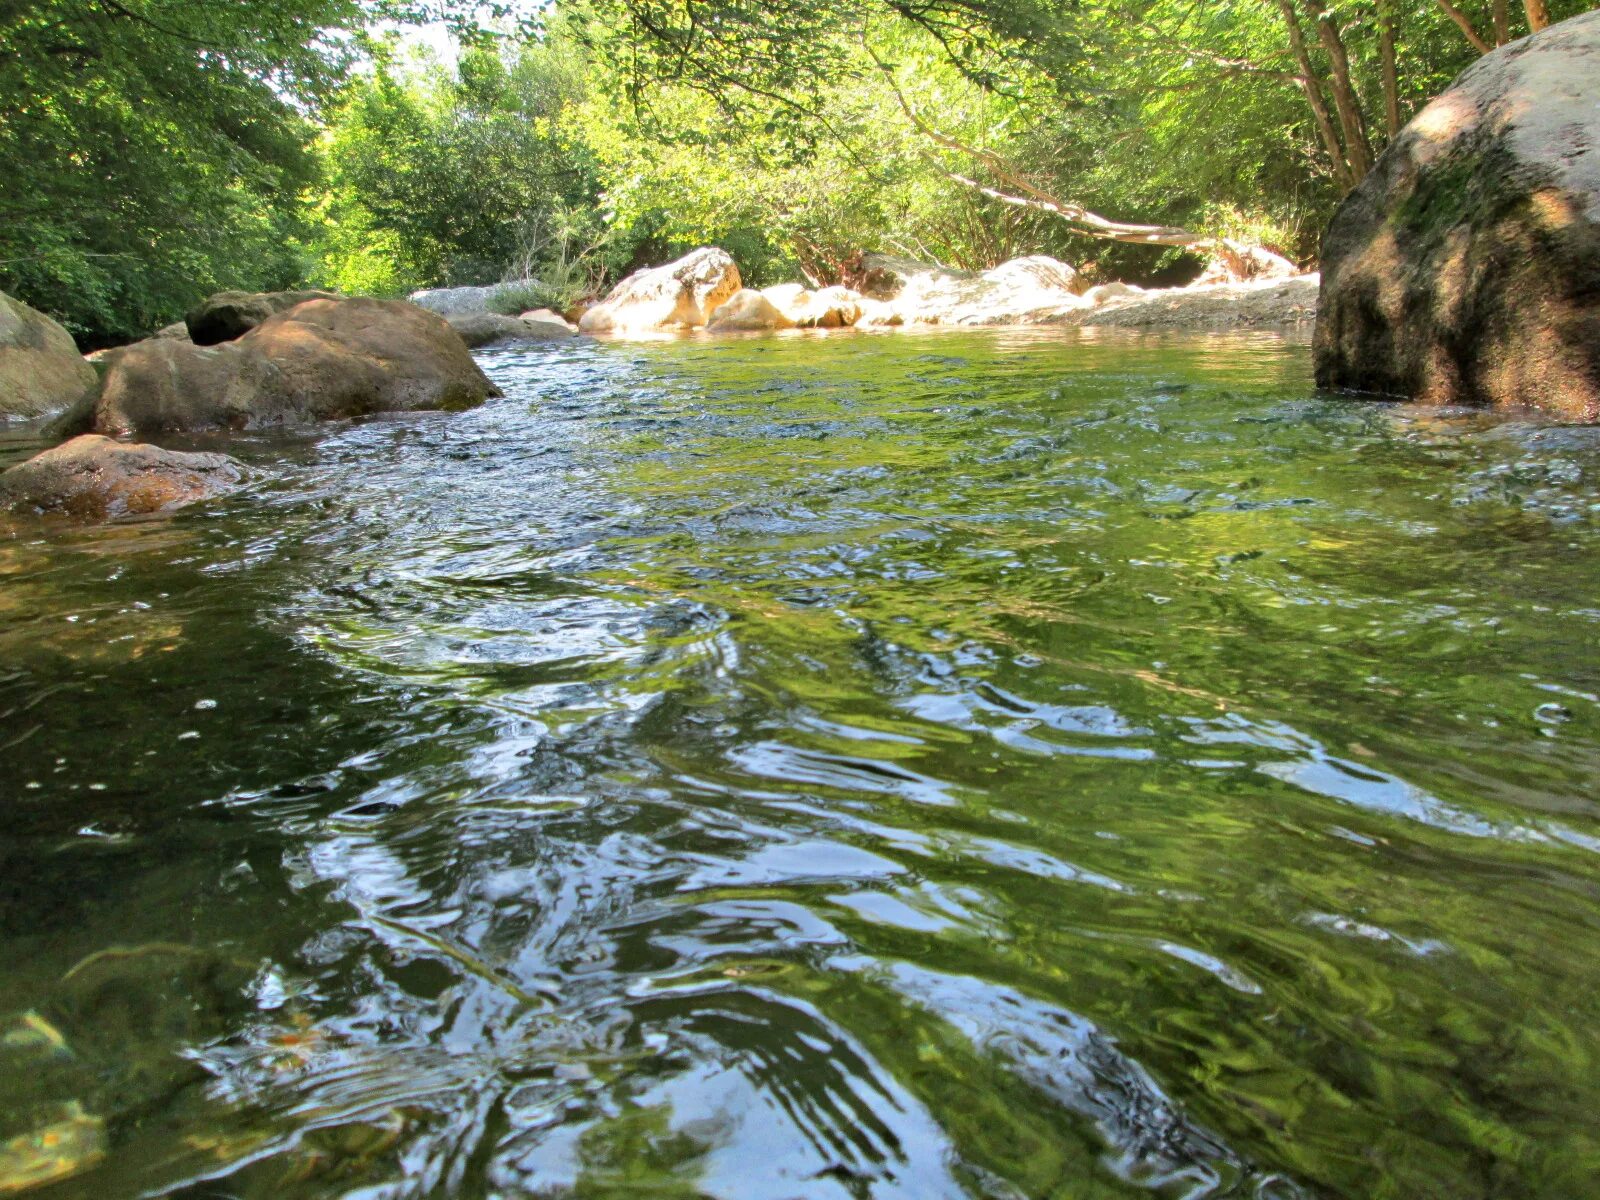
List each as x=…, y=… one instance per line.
x=953, y=764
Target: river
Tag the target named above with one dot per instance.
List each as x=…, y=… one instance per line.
x=907, y=765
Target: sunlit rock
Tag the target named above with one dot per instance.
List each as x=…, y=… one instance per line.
x=1465, y=268
x=680, y=295
x=94, y=478
x=1033, y=290
x=41, y=371
x=1232, y=261
x=747, y=310
x=550, y=315
x=825, y=308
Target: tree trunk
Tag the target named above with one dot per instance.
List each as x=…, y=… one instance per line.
x=1386, y=61
x=1312, y=87
x=1538, y=14
x=1357, y=148
x=1465, y=25
x=1502, y=22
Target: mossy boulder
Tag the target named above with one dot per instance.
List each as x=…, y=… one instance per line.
x=41, y=371
x=1465, y=269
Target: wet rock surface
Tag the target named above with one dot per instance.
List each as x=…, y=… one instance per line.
x=94, y=478
x=487, y=329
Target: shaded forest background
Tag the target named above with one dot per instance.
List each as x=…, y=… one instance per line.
x=155, y=151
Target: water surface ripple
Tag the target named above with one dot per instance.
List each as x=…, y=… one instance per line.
x=961, y=764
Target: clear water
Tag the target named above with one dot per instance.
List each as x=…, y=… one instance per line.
x=962, y=764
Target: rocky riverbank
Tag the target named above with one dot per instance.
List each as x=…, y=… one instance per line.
x=704, y=291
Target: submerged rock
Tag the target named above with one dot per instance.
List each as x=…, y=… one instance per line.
x=94, y=478
x=41, y=371
x=679, y=295
x=230, y=315
x=486, y=329
x=321, y=360
x=747, y=309
x=1465, y=268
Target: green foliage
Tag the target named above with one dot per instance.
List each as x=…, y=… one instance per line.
x=150, y=152
x=457, y=176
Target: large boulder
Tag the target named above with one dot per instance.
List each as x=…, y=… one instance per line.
x=1232, y=261
x=746, y=310
x=229, y=315
x=94, y=478
x=1465, y=268
x=680, y=295
x=488, y=329
x=41, y=371
x=321, y=360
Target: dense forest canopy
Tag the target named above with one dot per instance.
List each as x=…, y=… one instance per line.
x=157, y=150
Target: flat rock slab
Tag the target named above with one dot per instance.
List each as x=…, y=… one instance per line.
x=489, y=329
x=93, y=478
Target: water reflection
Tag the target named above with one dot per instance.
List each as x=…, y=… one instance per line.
x=980, y=764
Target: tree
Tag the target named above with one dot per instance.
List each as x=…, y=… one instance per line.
x=152, y=151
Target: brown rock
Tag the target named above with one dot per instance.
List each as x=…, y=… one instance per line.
x=94, y=478
x=1465, y=269
x=230, y=315
x=41, y=371
x=322, y=360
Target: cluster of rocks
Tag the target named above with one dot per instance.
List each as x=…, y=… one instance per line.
x=704, y=290
x=241, y=361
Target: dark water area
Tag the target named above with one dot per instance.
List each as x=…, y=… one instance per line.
x=962, y=764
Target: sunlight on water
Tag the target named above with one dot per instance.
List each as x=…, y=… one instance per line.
x=955, y=764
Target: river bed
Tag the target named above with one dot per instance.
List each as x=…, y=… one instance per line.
x=996, y=764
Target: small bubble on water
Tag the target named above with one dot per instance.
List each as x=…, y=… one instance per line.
x=205, y=705
x=189, y=735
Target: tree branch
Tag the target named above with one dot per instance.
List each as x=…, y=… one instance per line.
x=1032, y=196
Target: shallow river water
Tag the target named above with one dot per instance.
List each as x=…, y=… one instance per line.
x=960, y=764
